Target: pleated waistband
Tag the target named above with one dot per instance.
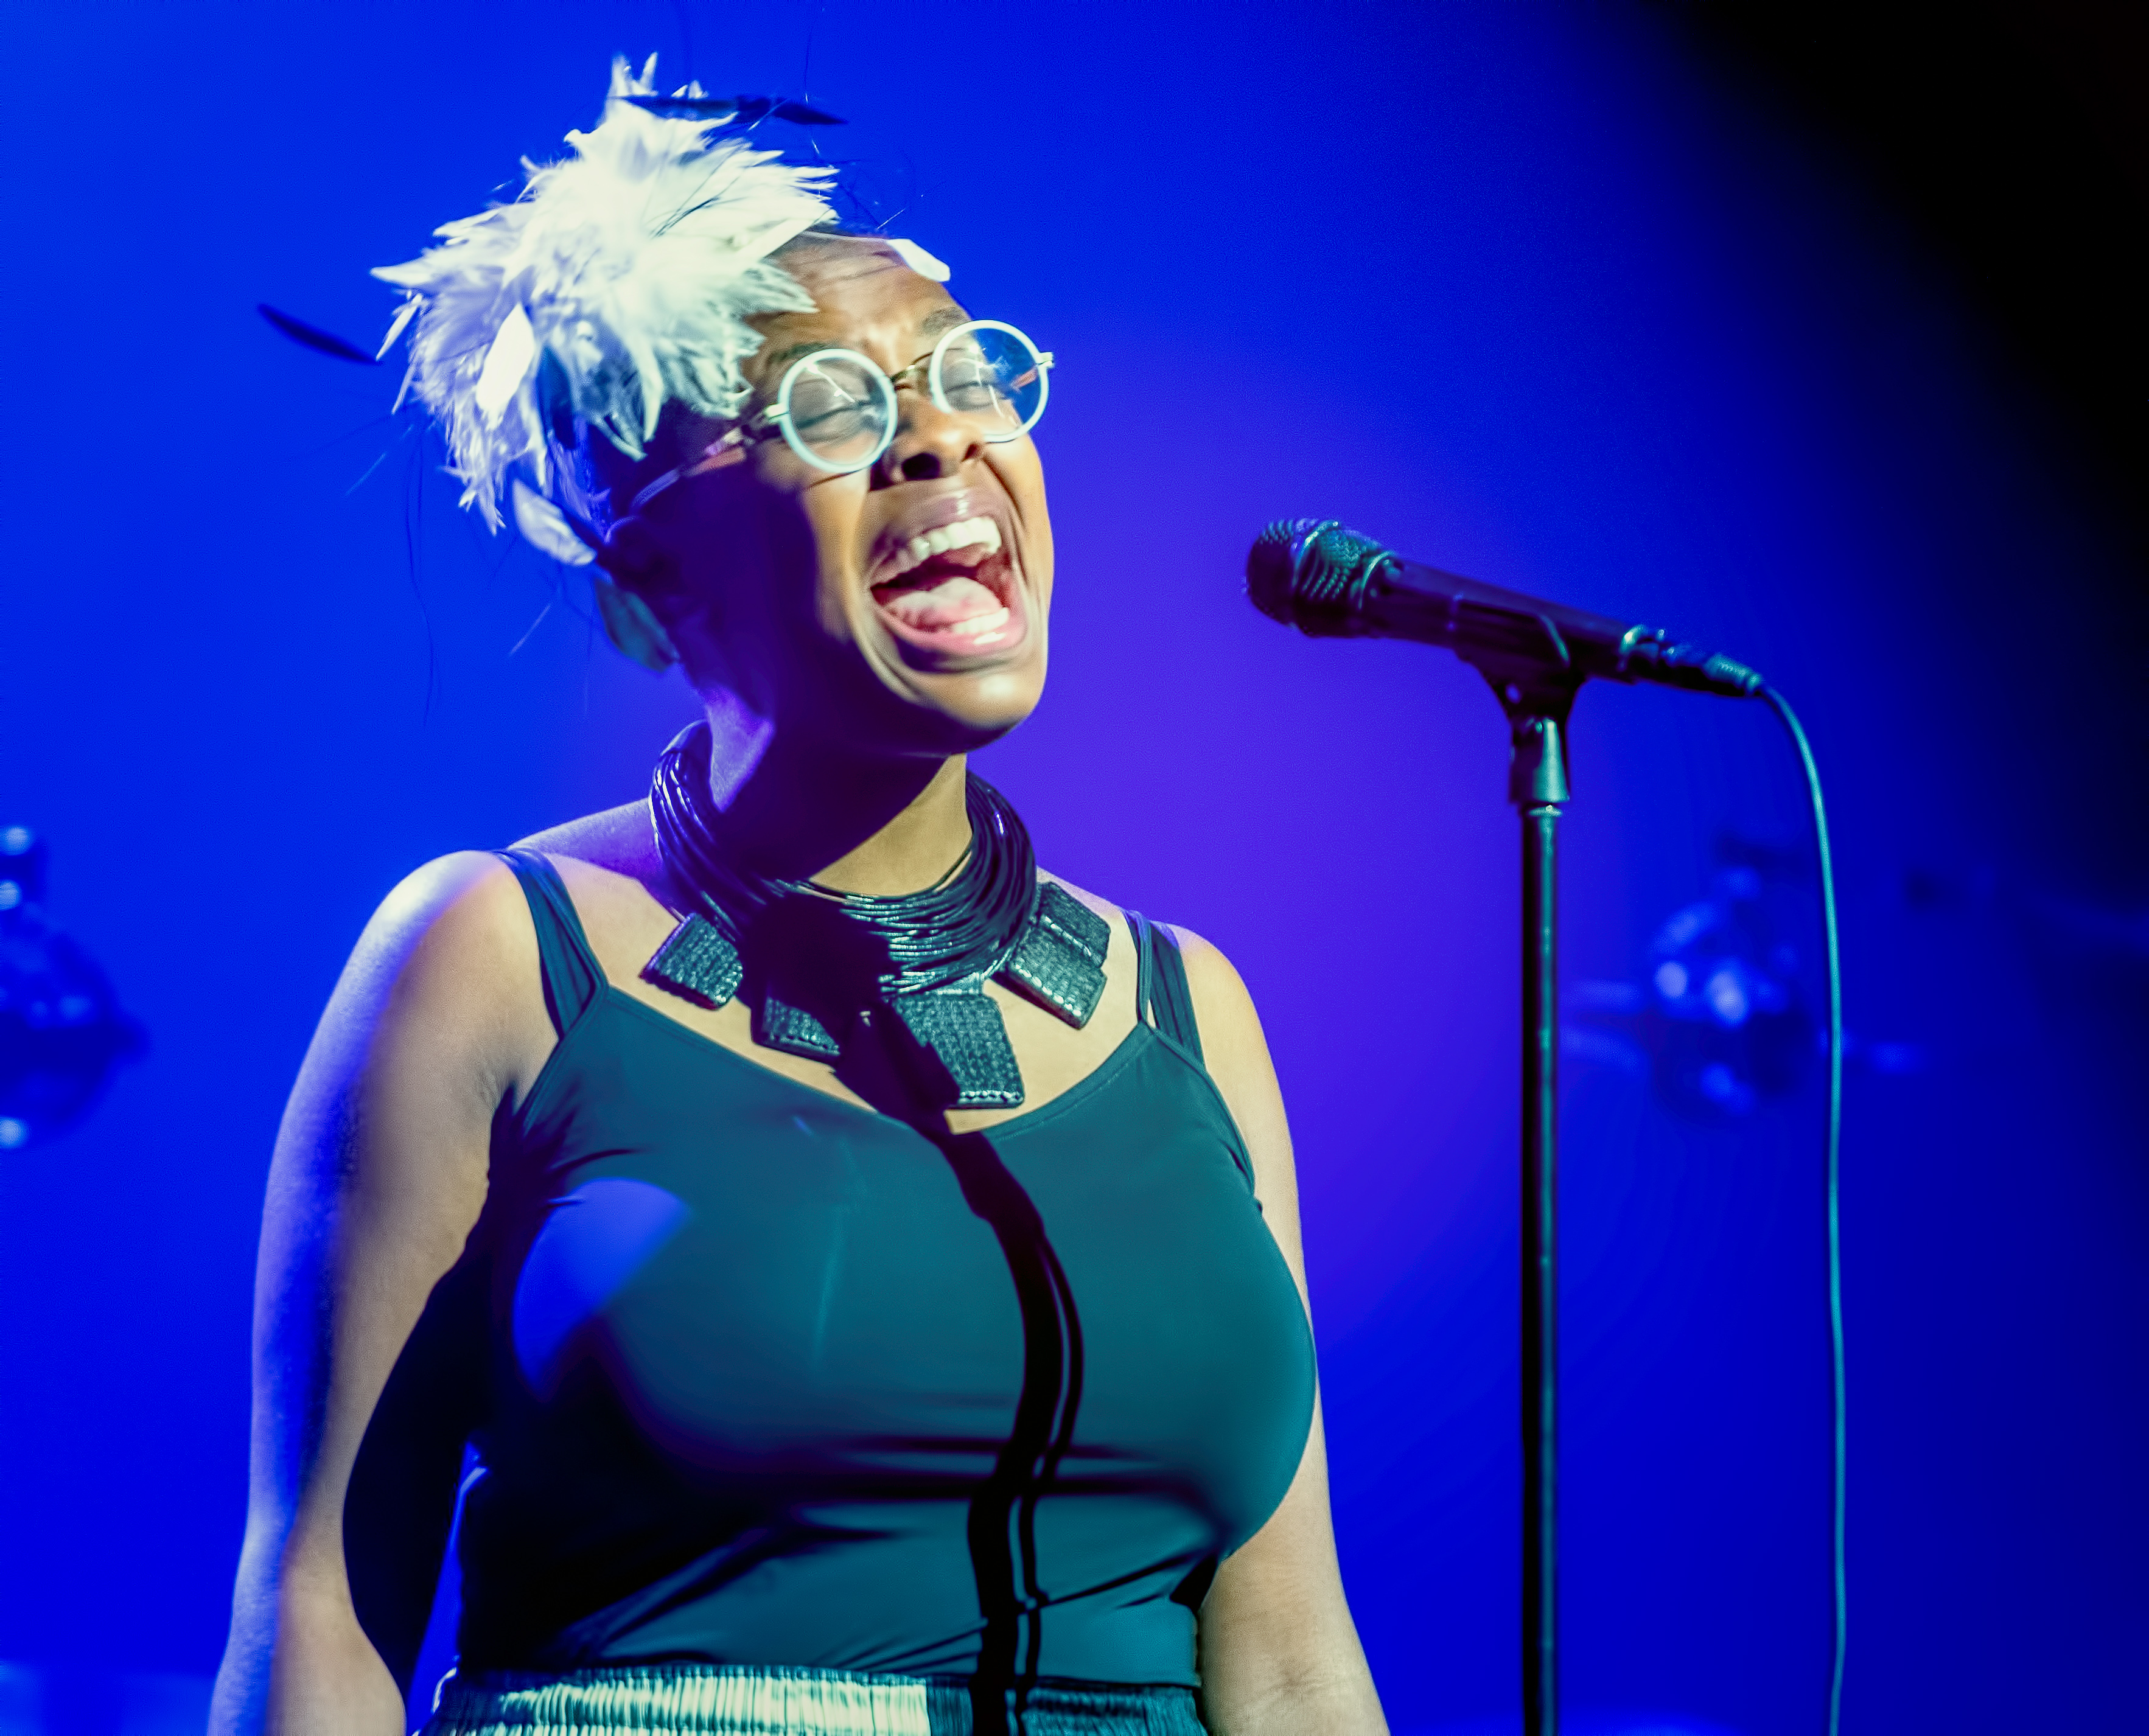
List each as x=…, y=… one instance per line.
x=753, y=1700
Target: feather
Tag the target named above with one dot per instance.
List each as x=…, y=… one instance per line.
x=555, y=402
x=404, y=315
x=546, y=528
x=716, y=111
x=727, y=111
x=313, y=337
x=918, y=260
x=507, y=361
x=636, y=262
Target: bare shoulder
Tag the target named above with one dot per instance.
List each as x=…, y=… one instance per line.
x=619, y=841
x=438, y=1010
x=442, y=961
x=1221, y=1000
x=441, y=918
x=616, y=877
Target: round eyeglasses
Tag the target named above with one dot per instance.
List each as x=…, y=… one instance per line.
x=837, y=408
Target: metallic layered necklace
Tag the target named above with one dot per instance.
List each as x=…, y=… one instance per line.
x=812, y=982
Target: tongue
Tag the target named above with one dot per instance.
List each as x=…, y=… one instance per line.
x=944, y=605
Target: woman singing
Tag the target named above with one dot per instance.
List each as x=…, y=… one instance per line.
x=864, y=1268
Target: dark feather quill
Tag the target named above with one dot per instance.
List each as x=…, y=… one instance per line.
x=801, y=115
x=313, y=338
x=735, y=111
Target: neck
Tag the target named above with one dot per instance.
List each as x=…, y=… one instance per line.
x=880, y=825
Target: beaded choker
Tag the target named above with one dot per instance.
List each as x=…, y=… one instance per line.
x=812, y=963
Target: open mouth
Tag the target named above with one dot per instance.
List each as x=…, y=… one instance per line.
x=951, y=588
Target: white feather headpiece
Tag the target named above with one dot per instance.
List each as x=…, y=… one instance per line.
x=620, y=277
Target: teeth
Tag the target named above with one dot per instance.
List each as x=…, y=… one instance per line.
x=965, y=534
x=979, y=625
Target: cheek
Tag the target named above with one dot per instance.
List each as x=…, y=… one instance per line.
x=1021, y=474
x=1023, y=477
x=828, y=517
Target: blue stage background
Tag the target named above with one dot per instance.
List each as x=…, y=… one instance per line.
x=1526, y=289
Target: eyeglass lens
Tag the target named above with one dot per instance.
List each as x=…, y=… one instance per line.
x=842, y=407
x=992, y=374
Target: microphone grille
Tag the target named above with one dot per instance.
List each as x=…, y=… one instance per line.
x=1305, y=572
x=1271, y=567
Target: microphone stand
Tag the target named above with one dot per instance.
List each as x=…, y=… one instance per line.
x=1329, y=582
x=1537, y=698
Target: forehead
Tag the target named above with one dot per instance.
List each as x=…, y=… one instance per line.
x=864, y=297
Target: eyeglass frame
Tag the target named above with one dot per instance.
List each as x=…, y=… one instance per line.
x=778, y=414
x=729, y=447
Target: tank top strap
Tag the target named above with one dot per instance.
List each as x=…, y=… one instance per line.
x=572, y=975
x=1162, y=999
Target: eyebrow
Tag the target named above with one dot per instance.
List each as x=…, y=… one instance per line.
x=781, y=359
x=940, y=319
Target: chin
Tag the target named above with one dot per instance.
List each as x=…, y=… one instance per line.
x=959, y=713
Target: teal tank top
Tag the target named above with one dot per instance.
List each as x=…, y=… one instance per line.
x=771, y=1379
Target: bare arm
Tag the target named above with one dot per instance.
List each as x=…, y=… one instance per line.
x=1280, y=1655
x=378, y=1176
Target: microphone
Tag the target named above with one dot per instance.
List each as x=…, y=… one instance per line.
x=1313, y=574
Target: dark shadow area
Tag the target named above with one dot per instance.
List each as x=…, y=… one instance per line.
x=2005, y=144
x=887, y=1066
x=2012, y=139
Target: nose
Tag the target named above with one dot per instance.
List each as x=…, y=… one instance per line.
x=930, y=441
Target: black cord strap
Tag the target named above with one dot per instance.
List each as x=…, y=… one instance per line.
x=814, y=961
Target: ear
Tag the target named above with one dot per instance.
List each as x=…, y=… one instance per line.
x=632, y=626
x=628, y=551
x=633, y=563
